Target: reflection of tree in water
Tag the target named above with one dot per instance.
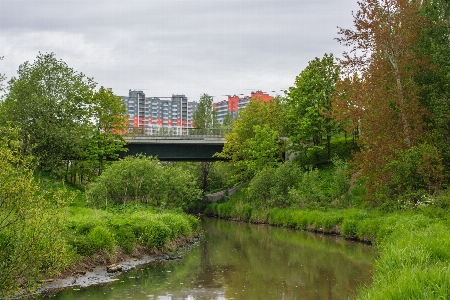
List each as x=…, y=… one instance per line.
x=275, y=263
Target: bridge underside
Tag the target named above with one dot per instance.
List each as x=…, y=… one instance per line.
x=175, y=152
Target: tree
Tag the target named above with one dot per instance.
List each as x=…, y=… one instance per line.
x=2, y=78
x=309, y=108
x=32, y=235
x=263, y=149
x=227, y=123
x=237, y=149
x=205, y=118
x=49, y=102
x=380, y=87
x=109, y=123
x=435, y=90
x=205, y=122
x=144, y=179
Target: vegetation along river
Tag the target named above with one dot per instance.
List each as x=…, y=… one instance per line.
x=244, y=261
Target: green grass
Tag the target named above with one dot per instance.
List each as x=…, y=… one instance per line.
x=92, y=230
x=413, y=245
x=106, y=232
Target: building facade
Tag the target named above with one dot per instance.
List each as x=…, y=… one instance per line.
x=159, y=115
x=234, y=103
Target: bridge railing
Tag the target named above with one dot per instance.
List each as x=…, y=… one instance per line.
x=182, y=132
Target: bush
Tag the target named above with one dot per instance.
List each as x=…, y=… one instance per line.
x=411, y=175
x=144, y=179
x=126, y=239
x=100, y=238
x=340, y=147
x=155, y=234
x=341, y=180
x=225, y=210
x=310, y=191
x=270, y=187
x=32, y=237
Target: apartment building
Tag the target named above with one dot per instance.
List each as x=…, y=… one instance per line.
x=234, y=103
x=159, y=115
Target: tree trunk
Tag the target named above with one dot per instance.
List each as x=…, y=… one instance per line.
x=329, y=146
x=205, y=171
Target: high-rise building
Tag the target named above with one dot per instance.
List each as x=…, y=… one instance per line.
x=160, y=115
x=235, y=103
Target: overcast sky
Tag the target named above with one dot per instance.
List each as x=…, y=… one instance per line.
x=166, y=47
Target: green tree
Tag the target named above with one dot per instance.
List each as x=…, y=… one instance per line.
x=309, y=105
x=263, y=149
x=236, y=148
x=435, y=90
x=227, y=123
x=205, y=122
x=205, y=118
x=2, y=78
x=144, y=179
x=49, y=102
x=109, y=126
x=32, y=240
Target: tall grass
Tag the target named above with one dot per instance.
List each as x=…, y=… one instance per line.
x=92, y=231
x=413, y=246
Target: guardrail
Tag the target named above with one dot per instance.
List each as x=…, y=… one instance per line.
x=181, y=133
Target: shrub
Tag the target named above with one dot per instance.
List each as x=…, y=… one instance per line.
x=341, y=180
x=144, y=179
x=155, y=234
x=100, y=238
x=271, y=186
x=178, y=225
x=225, y=210
x=410, y=175
x=125, y=239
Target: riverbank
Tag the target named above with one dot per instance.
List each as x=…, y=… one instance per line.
x=98, y=269
x=244, y=261
x=98, y=239
x=413, y=246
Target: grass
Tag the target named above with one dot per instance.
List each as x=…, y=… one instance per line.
x=413, y=245
x=107, y=232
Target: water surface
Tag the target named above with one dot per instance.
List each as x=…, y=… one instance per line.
x=244, y=261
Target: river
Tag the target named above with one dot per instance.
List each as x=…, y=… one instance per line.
x=244, y=261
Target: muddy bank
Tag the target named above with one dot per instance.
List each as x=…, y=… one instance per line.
x=97, y=271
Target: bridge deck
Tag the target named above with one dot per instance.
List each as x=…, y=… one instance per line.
x=176, y=148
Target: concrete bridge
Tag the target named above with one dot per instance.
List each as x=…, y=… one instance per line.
x=176, y=147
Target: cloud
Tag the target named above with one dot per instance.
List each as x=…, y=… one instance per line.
x=175, y=46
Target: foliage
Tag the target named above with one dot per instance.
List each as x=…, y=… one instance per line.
x=380, y=94
x=219, y=176
x=415, y=173
x=109, y=124
x=70, y=128
x=146, y=180
x=227, y=124
x=309, y=109
x=236, y=148
x=317, y=156
x=290, y=185
x=93, y=231
x=435, y=90
x=271, y=187
x=48, y=103
x=31, y=223
x=264, y=150
x=205, y=118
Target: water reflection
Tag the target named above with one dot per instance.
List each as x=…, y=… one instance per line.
x=242, y=261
